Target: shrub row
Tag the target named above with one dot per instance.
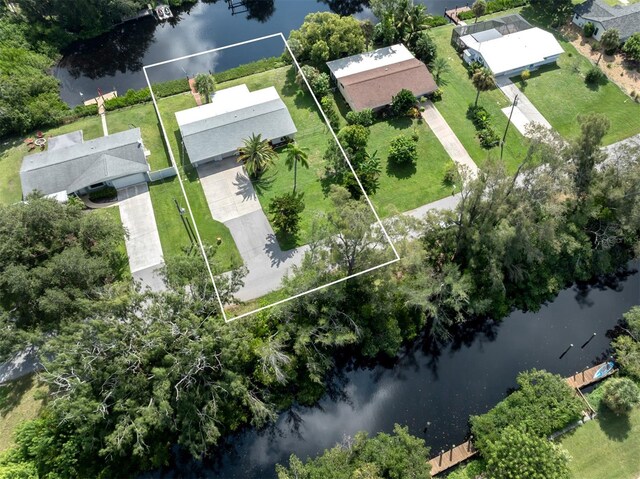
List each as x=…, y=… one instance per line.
x=436, y=21
x=181, y=85
x=494, y=6
x=79, y=111
x=481, y=119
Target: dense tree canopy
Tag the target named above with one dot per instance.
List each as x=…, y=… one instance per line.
x=326, y=36
x=56, y=263
x=544, y=403
x=28, y=94
x=385, y=456
x=627, y=346
x=519, y=454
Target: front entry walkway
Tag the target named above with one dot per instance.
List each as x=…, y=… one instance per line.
x=143, y=242
x=448, y=138
x=524, y=112
x=233, y=201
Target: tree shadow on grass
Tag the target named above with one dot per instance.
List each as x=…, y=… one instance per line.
x=595, y=85
x=11, y=393
x=400, y=123
x=401, y=171
x=264, y=182
x=616, y=427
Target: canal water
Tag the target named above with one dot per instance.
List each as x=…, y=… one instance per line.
x=434, y=390
x=115, y=60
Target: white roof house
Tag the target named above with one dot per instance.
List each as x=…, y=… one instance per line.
x=509, y=48
x=363, y=62
x=217, y=129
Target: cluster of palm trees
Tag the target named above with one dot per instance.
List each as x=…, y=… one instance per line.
x=257, y=155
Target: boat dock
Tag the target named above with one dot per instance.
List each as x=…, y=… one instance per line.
x=591, y=375
x=452, y=15
x=447, y=459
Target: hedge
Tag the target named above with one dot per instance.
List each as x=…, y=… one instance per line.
x=79, y=111
x=436, y=21
x=181, y=85
x=494, y=6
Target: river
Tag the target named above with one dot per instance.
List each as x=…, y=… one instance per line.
x=115, y=60
x=434, y=390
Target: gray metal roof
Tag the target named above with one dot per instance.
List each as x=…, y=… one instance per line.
x=625, y=19
x=64, y=141
x=79, y=165
x=224, y=133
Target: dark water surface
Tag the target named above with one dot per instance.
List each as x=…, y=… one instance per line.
x=115, y=60
x=434, y=391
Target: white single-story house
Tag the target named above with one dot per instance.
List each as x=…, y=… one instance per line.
x=372, y=79
x=625, y=19
x=506, y=45
x=72, y=166
x=217, y=129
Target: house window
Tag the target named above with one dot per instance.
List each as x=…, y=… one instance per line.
x=595, y=32
x=97, y=185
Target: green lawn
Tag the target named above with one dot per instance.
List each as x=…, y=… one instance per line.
x=144, y=117
x=12, y=152
x=174, y=237
x=561, y=94
x=399, y=189
x=459, y=93
x=607, y=447
x=313, y=134
x=17, y=404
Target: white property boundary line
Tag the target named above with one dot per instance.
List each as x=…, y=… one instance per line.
x=184, y=193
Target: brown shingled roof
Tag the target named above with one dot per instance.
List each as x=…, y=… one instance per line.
x=376, y=88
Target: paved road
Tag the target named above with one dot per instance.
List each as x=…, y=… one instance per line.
x=233, y=201
x=448, y=138
x=524, y=113
x=23, y=363
x=143, y=242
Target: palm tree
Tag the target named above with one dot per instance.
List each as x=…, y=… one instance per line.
x=256, y=154
x=479, y=8
x=439, y=67
x=205, y=85
x=295, y=154
x=483, y=81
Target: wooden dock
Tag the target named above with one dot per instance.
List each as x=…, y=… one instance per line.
x=100, y=99
x=452, y=457
x=588, y=376
x=447, y=459
x=453, y=14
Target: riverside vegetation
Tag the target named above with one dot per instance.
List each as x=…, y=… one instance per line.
x=129, y=374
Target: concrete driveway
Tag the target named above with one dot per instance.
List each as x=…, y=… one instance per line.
x=233, y=201
x=228, y=190
x=143, y=242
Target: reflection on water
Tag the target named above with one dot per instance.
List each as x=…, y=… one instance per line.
x=115, y=59
x=432, y=388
